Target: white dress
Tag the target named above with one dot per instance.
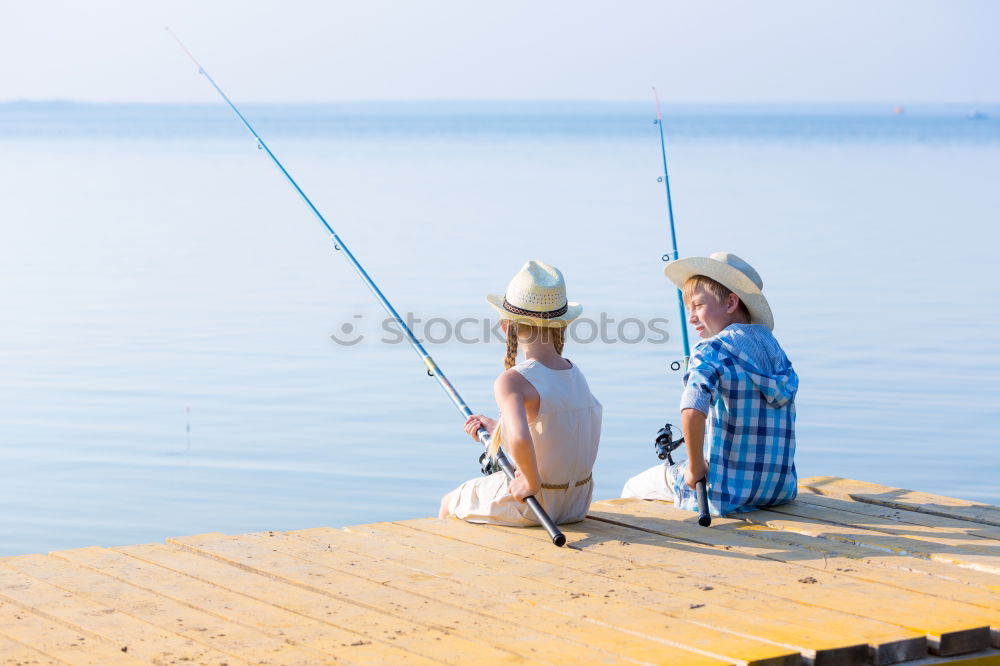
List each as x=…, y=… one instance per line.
x=565, y=434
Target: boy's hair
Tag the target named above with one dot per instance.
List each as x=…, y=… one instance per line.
x=717, y=289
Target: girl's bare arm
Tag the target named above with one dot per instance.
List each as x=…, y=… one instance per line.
x=513, y=395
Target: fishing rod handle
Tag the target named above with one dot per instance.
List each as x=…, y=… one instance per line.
x=700, y=491
x=558, y=538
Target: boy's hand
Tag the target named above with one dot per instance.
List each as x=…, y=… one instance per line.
x=477, y=421
x=695, y=472
x=520, y=488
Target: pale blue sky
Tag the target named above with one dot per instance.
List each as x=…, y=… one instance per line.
x=899, y=51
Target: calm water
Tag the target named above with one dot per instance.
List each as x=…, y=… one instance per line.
x=167, y=302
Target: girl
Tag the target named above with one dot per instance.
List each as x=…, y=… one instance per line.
x=550, y=423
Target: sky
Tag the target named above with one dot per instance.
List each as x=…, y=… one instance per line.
x=773, y=51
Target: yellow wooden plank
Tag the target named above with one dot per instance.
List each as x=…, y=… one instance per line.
x=421, y=625
x=508, y=597
x=928, y=577
x=268, y=617
x=877, y=533
x=374, y=625
x=57, y=641
x=141, y=639
x=951, y=627
x=950, y=631
x=821, y=523
x=939, y=505
x=922, y=576
x=234, y=639
x=529, y=606
x=896, y=516
x=293, y=627
x=888, y=643
x=746, y=615
x=263, y=552
x=13, y=653
x=881, y=566
x=822, y=636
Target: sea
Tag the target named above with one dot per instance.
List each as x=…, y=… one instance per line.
x=184, y=348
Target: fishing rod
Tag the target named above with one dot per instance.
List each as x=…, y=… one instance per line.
x=673, y=256
x=700, y=489
x=558, y=538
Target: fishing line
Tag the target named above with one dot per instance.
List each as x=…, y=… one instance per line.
x=558, y=538
x=665, y=179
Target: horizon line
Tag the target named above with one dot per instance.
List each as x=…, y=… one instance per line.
x=512, y=100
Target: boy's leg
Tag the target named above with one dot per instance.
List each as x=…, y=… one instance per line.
x=651, y=484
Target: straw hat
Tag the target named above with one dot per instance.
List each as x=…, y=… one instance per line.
x=731, y=272
x=536, y=296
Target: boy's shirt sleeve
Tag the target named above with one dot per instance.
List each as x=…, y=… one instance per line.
x=701, y=380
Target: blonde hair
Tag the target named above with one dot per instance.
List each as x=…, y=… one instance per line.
x=717, y=289
x=510, y=358
x=557, y=336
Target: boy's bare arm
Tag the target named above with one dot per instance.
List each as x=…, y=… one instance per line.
x=693, y=425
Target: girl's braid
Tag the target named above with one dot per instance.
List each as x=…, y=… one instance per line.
x=510, y=360
x=558, y=339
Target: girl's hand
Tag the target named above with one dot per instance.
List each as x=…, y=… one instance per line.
x=695, y=472
x=520, y=488
x=477, y=421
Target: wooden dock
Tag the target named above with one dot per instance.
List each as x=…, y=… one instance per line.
x=850, y=573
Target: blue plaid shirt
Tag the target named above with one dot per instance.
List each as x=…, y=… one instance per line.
x=743, y=381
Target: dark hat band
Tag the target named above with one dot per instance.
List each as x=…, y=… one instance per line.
x=551, y=314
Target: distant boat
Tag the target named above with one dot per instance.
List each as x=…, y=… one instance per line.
x=899, y=110
x=976, y=114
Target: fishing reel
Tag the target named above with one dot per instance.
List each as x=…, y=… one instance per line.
x=487, y=464
x=665, y=444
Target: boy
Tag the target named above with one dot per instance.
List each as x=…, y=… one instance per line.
x=739, y=381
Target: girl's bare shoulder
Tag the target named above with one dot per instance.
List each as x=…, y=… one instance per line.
x=512, y=381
